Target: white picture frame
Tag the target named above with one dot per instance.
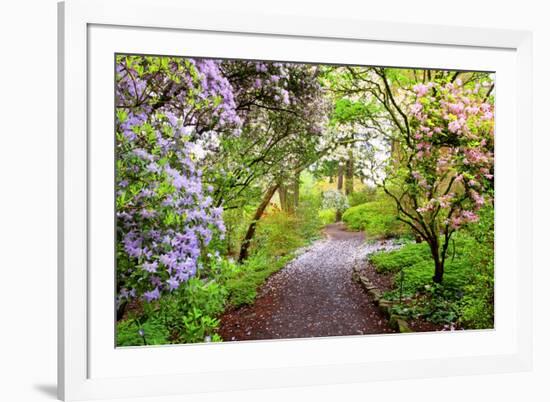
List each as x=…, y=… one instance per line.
x=90, y=368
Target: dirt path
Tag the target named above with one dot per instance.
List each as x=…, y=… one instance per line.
x=312, y=296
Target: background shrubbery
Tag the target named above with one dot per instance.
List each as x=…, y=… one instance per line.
x=376, y=217
x=366, y=194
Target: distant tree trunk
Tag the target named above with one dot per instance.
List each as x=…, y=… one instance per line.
x=340, y=182
x=296, y=185
x=349, y=175
x=339, y=186
x=252, y=227
x=283, y=195
x=289, y=194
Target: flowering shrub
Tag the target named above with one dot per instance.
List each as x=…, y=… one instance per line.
x=451, y=166
x=165, y=218
x=335, y=199
x=443, y=172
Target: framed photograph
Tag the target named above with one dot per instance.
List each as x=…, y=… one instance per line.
x=255, y=201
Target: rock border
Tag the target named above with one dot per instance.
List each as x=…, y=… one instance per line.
x=397, y=322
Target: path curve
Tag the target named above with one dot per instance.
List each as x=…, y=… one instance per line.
x=312, y=296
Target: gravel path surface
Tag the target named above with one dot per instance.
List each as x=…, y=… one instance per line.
x=312, y=296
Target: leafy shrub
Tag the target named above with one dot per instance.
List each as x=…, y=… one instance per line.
x=327, y=216
x=160, y=196
x=186, y=315
x=477, y=305
x=190, y=314
x=416, y=261
x=277, y=233
x=335, y=199
x=377, y=218
x=131, y=333
x=309, y=220
x=367, y=194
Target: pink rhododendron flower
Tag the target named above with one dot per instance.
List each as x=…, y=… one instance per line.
x=420, y=89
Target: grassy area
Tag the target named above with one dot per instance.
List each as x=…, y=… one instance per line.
x=377, y=218
x=416, y=261
x=243, y=284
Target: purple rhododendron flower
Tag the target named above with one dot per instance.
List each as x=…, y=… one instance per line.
x=152, y=295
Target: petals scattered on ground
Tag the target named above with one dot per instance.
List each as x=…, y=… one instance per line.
x=313, y=296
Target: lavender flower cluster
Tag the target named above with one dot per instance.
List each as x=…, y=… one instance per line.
x=165, y=216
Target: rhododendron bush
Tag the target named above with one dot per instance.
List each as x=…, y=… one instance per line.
x=165, y=215
x=441, y=173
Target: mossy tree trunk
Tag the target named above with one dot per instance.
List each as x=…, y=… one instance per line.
x=252, y=227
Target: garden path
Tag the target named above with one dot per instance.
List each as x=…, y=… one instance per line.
x=312, y=296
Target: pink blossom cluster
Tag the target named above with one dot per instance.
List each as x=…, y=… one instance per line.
x=451, y=143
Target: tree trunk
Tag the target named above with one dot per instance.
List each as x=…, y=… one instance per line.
x=296, y=186
x=283, y=196
x=340, y=182
x=439, y=268
x=252, y=227
x=349, y=175
x=290, y=194
x=339, y=185
x=438, y=262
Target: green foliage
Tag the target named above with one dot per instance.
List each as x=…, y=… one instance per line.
x=190, y=312
x=236, y=223
x=309, y=217
x=363, y=196
x=186, y=315
x=416, y=261
x=277, y=233
x=327, y=216
x=242, y=286
x=465, y=297
x=131, y=333
x=477, y=305
x=405, y=257
x=377, y=218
